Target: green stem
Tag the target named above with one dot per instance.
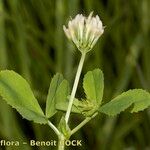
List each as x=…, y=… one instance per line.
x=75, y=86
x=54, y=128
x=85, y=121
x=61, y=142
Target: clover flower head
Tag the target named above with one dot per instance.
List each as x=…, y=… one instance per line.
x=84, y=31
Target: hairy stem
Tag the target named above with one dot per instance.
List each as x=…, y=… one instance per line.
x=54, y=128
x=74, y=89
x=85, y=121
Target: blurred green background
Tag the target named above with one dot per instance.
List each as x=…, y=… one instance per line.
x=33, y=44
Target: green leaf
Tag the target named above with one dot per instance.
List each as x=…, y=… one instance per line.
x=93, y=85
x=62, y=92
x=137, y=98
x=51, y=98
x=85, y=107
x=64, y=128
x=62, y=106
x=16, y=92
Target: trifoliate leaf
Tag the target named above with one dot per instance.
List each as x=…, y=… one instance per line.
x=140, y=99
x=51, y=98
x=16, y=92
x=93, y=85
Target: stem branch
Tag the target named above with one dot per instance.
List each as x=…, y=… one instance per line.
x=54, y=128
x=74, y=89
x=85, y=121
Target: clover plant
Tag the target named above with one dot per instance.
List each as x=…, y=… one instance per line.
x=84, y=33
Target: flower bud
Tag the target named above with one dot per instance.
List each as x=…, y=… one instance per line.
x=84, y=31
